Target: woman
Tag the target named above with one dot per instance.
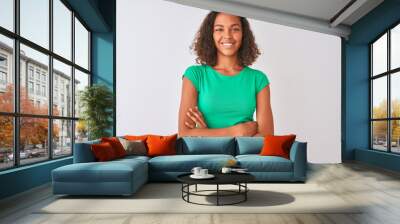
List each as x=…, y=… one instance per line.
x=219, y=96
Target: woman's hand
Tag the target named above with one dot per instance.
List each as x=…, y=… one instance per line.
x=244, y=129
x=197, y=117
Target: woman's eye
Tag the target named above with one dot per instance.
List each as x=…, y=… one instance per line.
x=218, y=30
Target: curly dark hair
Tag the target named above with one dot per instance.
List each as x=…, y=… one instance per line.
x=204, y=47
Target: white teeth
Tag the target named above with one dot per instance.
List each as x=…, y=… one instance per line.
x=227, y=44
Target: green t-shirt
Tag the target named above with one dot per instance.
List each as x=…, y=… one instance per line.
x=226, y=100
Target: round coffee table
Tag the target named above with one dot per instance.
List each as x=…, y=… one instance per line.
x=238, y=179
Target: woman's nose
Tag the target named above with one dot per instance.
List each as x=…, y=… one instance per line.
x=227, y=33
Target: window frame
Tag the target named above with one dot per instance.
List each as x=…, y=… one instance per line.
x=15, y=72
x=388, y=74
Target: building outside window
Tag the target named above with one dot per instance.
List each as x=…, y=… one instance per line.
x=34, y=75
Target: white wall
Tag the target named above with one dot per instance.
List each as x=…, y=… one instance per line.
x=304, y=67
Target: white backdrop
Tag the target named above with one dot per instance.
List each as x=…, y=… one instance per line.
x=304, y=68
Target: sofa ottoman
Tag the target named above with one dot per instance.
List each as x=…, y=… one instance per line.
x=118, y=177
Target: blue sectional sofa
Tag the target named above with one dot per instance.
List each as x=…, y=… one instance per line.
x=125, y=176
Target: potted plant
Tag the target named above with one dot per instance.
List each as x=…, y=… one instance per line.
x=96, y=102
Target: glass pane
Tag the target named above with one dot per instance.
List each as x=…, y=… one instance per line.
x=379, y=135
x=7, y=14
x=6, y=74
x=35, y=21
x=395, y=47
x=6, y=142
x=62, y=29
x=379, y=100
x=81, y=131
x=62, y=138
x=81, y=81
x=379, y=55
x=34, y=81
x=33, y=139
x=81, y=45
x=395, y=94
x=62, y=89
x=395, y=136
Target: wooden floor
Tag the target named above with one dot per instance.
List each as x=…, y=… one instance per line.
x=378, y=188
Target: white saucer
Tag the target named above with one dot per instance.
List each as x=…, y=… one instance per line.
x=208, y=176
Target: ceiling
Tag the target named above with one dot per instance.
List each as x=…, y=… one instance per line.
x=333, y=17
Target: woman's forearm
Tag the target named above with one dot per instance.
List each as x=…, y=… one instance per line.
x=210, y=132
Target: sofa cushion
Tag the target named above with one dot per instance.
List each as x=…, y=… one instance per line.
x=249, y=145
x=134, y=147
x=257, y=163
x=277, y=145
x=185, y=163
x=161, y=145
x=111, y=171
x=132, y=158
x=83, y=153
x=206, y=145
x=103, y=152
x=116, y=145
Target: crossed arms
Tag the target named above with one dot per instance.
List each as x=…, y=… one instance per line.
x=189, y=115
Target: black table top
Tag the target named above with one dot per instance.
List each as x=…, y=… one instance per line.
x=220, y=178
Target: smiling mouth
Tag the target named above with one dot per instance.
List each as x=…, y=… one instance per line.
x=227, y=45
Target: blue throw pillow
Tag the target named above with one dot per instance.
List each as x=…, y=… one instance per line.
x=249, y=145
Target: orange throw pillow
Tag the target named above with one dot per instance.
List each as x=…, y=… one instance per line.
x=161, y=145
x=135, y=138
x=103, y=151
x=277, y=145
x=116, y=145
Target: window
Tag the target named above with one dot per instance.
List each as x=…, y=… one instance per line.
x=385, y=91
x=62, y=75
x=56, y=126
x=37, y=75
x=6, y=73
x=3, y=72
x=44, y=91
x=81, y=81
x=62, y=29
x=6, y=142
x=35, y=21
x=3, y=78
x=7, y=14
x=30, y=72
x=62, y=137
x=3, y=61
x=30, y=87
x=81, y=45
x=37, y=89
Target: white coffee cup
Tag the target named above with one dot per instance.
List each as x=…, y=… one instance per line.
x=203, y=172
x=226, y=170
x=196, y=170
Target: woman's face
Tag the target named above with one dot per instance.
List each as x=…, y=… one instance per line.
x=227, y=34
